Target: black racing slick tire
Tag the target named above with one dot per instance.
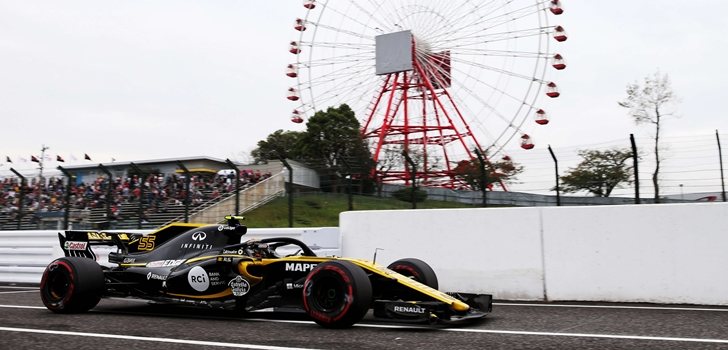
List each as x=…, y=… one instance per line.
x=72, y=285
x=337, y=294
x=416, y=269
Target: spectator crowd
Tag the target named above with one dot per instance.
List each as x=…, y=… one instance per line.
x=157, y=192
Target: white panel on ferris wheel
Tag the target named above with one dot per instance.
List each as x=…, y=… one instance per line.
x=394, y=52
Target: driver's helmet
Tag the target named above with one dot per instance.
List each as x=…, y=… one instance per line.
x=260, y=250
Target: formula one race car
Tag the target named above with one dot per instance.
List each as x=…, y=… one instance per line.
x=208, y=265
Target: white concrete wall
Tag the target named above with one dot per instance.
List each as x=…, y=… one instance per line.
x=470, y=251
x=674, y=253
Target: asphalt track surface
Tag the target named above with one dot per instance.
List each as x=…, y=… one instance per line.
x=133, y=324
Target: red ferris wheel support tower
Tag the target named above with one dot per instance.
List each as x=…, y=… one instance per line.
x=413, y=112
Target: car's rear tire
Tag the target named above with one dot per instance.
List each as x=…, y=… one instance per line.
x=416, y=269
x=72, y=285
x=337, y=294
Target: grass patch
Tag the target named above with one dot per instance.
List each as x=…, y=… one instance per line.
x=322, y=209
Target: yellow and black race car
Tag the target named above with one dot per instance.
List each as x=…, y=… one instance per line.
x=207, y=265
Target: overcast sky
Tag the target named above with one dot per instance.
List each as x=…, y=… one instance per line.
x=136, y=80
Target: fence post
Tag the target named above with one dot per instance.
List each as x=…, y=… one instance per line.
x=635, y=162
x=108, y=193
x=413, y=175
x=187, y=190
x=67, y=206
x=237, y=184
x=140, y=206
x=22, y=196
x=556, y=167
x=483, y=178
x=289, y=190
x=722, y=179
x=349, y=196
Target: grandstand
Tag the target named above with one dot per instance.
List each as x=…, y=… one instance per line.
x=145, y=194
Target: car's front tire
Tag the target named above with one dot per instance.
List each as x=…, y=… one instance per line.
x=72, y=285
x=416, y=269
x=337, y=294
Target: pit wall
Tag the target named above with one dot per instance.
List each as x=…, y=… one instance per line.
x=668, y=253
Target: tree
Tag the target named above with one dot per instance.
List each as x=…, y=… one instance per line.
x=649, y=103
x=599, y=172
x=502, y=171
x=278, y=144
x=331, y=144
x=333, y=141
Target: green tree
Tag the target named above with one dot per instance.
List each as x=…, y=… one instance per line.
x=332, y=141
x=649, y=103
x=278, y=144
x=599, y=172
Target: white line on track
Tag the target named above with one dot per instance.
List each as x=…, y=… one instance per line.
x=587, y=335
x=22, y=307
x=18, y=287
x=612, y=307
x=20, y=291
x=549, y=334
x=150, y=339
x=387, y=326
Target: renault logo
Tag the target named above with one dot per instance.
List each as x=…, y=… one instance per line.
x=199, y=236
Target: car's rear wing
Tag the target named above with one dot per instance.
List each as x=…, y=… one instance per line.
x=79, y=243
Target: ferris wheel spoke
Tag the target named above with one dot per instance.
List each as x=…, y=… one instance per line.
x=387, y=19
x=342, y=31
x=477, y=8
x=395, y=15
x=507, y=17
x=344, y=15
x=465, y=14
x=332, y=92
x=510, y=122
x=337, y=60
x=487, y=106
x=335, y=82
x=500, y=70
x=502, y=53
x=381, y=25
x=485, y=23
x=343, y=56
x=495, y=37
x=346, y=74
x=338, y=64
x=339, y=87
x=342, y=46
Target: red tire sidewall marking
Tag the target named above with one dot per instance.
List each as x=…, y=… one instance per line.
x=71, y=286
x=349, y=294
x=411, y=270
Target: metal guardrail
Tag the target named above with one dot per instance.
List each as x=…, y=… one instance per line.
x=24, y=254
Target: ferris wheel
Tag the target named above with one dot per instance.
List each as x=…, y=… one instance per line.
x=438, y=79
